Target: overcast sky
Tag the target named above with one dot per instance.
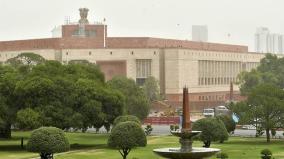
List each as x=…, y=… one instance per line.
x=27, y=19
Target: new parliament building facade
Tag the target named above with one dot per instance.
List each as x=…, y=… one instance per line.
x=207, y=69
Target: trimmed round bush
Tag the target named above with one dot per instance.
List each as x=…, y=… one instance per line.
x=212, y=130
x=47, y=141
x=125, y=136
x=125, y=118
x=228, y=121
x=266, y=154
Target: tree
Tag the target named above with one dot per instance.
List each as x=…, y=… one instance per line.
x=28, y=119
x=99, y=105
x=5, y=127
x=26, y=58
x=64, y=96
x=47, y=141
x=228, y=122
x=268, y=99
x=148, y=129
x=266, y=154
x=151, y=88
x=125, y=136
x=248, y=115
x=126, y=118
x=270, y=71
x=9, y=76
x=269, y=74
x=212, y=130
x=136, y=102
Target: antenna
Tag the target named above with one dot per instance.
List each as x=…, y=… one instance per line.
x=67, y=20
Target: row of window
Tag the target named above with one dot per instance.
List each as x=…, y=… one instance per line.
x=212, y=98
x=90, y=53
x=221, y=72
x=217, y=81
x=218, y=54
x=143, y=70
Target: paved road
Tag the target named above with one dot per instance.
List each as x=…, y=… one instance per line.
x=165, y=130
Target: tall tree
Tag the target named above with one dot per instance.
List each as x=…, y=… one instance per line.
x=152, y=89
x=269, y=102
x=26, y=58
x=60, y=94
x=136, y=101
x=270, y=71
x=8, y=78
x=264, y=88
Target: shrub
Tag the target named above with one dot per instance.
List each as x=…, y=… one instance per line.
x=125, y=136
x=266, y=154
x=125, y=118
x=228, y=122
x=212, y=130
x=176, y=127
x=47, y=141
x=148, y=129
x=273, y=132
x=259, y=132
x=107, y=126
x=27, y=119
x=172, y=128
x=222, y=155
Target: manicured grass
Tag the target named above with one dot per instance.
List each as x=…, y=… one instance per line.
x=90, y=146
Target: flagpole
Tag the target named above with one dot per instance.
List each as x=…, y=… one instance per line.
x=104, y=32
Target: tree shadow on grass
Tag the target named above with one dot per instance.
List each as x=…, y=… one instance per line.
x=12, y=148
x=72, y=147
x=251, y=141
x=77, y=146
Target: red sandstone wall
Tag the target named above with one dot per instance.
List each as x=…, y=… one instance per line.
x=67, y=42
x=200, y=101
x=70, y=42
x=68, y=30
x=145, y=42
x=81, y=43
x=51, y=43
x=169, y=43
x=127, y=42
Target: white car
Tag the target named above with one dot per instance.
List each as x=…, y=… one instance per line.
x=208, y=112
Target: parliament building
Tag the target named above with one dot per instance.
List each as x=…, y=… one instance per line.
x=207, y=69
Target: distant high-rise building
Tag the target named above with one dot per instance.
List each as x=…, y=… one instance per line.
x=199, y=33
x=265, y=42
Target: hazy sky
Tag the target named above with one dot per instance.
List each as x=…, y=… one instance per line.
x=26, y=19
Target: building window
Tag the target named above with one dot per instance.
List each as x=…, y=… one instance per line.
x=110, y=53
x=143, y=70
x=90, y=53
x=132, y=52
x=66, y=53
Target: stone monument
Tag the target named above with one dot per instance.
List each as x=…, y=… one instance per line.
x=186, y=151
x=83, y=15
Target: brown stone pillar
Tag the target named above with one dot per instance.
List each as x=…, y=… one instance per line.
x=186, y=125
x=231, y=92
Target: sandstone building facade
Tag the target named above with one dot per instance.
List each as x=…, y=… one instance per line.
x=205, y=68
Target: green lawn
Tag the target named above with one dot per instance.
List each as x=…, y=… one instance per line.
x=93, y=146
